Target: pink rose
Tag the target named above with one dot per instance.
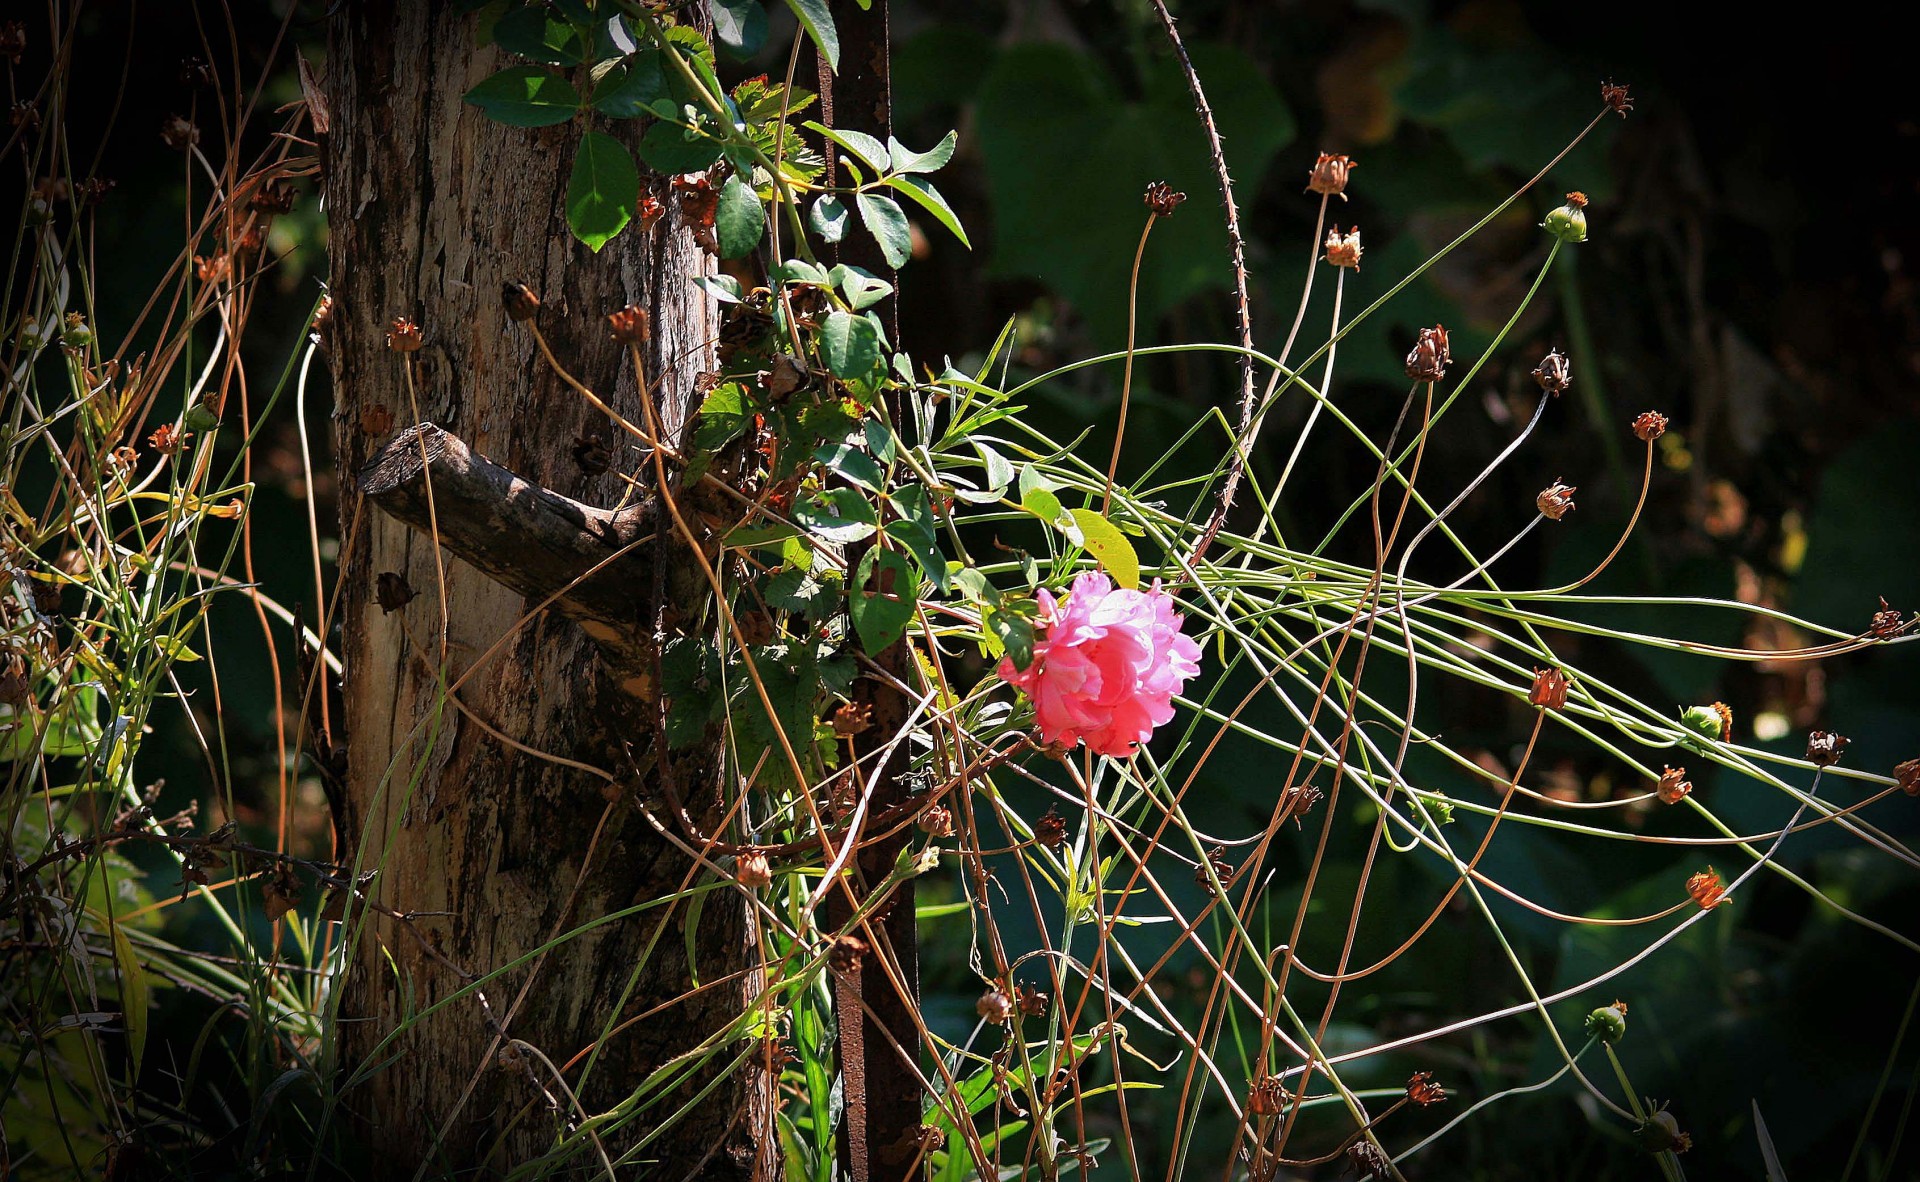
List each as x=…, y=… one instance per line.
x=1106, y=666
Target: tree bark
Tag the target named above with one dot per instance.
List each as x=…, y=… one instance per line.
x=431, y=208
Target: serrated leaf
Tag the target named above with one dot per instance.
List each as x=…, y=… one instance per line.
x=888, y=225
x=532, y=33
x=602, y=191
x=740, y=26
x=628, y=91
x=1105, y=542
x=526, y=96
x=838, y=515
x=884, y=597
x=818, y=22
x=829, y=217
x=932, y=160
x=667, y=150
x=740, y=220
x=850, y=345
x=928, y=198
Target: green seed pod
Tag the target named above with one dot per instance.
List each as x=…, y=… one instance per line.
x=200, y=417
x=1569, y=222
x=1709, y=722
x=1660, y=1133
x=76, y=333
x=1608, y=1023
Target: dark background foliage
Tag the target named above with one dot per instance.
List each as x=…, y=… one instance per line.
x=1751, y=273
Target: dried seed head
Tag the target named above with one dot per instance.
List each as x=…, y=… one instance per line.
x=1268, y=1096
x=1907, y=775
x=1343, y=250
x=1430, y=356
x=1555, y=501
x=1887, y=623
x=1705, y=889
x=1649, y=426
x=94, y=189
x=519, y=299
x=1608, y=1023
x=1824, y=748
x=995, y=1006
x=937, y=821
x=1299, y=801
x=1549, y=689
x=630, y=325
x=273, y=199
x=322, y=328
x=195, y=73
x=178, y=133
x=13, y=40
x=405, y=336
x=852, y=718
x=1329, y=175
x=1051, y=830
x=214, y=268
x=1364, y=1157
x=1032, y=1002
x=1222, y=869
x=1554, y=373
x=392, y=591
x=751, y=870
x=1568, y=222
x=1423, y=1091
x=1162, y=200
x=16, y=680
x=847, y=954
x=25, y=114
x=1673, y=785
x=1616, y=97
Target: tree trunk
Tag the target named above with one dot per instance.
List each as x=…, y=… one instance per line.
x=485, y=842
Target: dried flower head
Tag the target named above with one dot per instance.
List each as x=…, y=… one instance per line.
x=649, y=211
x=751, y=870
x=1343, y=250
x=1162, y=200
x=273, y=199
x=1430, y=356
x=1549, y=687
x=995, y=1006
x=630, y=325
x=214, y=268
x=1824, y=748
x=179, y=133
x=1554, y=373
x=94, y=189
x=392, y=591
x=1649, y=426
x=1032, y=1002
x=1673, y=785
x=1555, y=501
x=1616, y=97
x=1423, y=1091
x=1051, y=829
x=1705, y=889
x=195, y=73
x=1329, y=175
x=1907, y=776
x=169, y=440
x=1887, y=622
x=1364, y=1157
x=520, y=301
x=25, y=114
x=405, y=336
x=1299, y=800
x=847, y=954
x=852, y=718
x=13, y=40
x=1217, y=862
x=937, y=821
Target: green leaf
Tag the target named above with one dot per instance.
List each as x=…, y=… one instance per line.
x=932, y=160
x=884, y=597
x=723, y=417
x=929, y=199
x=1013, y=631
x=628, y=91
x=740, y=220
x=862, y=290
x=851, y=345
x=828, y=216
x=532, y=33
x=839, y=515
x=526, y=96
x=798, y=591
x=888, y=225
x=668, y=151
x=852, y=464
x=868, y=150
x=915, y=529
x=818, y=22
x=1105, y=542
x=603, y=190
x=740, y=26
x=133, y=997
x=724, y=288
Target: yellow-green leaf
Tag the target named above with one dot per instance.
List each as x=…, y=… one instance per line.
x=133, y=997
x=1107, y=544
